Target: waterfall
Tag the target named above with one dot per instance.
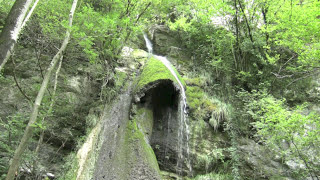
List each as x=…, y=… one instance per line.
x=183, y=131
x=148, y=43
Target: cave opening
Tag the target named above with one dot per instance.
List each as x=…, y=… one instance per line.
x=163, y=100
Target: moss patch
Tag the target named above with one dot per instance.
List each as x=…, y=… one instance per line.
x=139, y=54
x=154, y=70
x=195, y=81
x=72, y=164
x=135, y=138
x=200, y=105
x=205, y=107
x=121, y=78
x=144, y=118
x=195, y=96
x=216, y=176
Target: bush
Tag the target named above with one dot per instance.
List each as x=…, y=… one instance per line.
x=277, y=125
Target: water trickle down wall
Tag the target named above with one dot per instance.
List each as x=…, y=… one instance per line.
x=161, y=90
x=157, y=113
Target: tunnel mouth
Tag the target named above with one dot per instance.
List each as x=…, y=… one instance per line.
x=163, y=98
x=161, y=95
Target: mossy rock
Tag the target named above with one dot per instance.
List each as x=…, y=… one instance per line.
x=120, y=77
x=153, y=71
x=195, y=82
x=213, y=175
x=140, y=155
x=209, y=105
x=139, y=54
x=136, y=134
x=204, y=107
x=195, y=96
x=169, y=175
x=144, y=119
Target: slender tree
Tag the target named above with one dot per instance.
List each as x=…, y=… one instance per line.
x=33, y=117
x=16, y=20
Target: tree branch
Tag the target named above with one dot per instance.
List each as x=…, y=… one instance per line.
x=264, y=11
x=305, y=162
x=29, y=14
x=303, y=77
x=38, y=62
x=16, y=81
x=247, y=23
x=143, y=11
x=280, y=69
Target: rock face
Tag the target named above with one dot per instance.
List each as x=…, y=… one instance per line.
x=259, y=159
x=135, y=148
x=124, y=153
x=165, y=42
x=162, y=103
x=139, y=133
x=158, y=91
x=74, y=102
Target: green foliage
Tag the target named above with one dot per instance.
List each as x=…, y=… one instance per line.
x=266, y=50
x=246, y=104
x=195, y=81
x=211, y=159
x=232, y=128
x=194, y=96
x=292, y=133
x=11, y=133
x=296, y=25
x=4, y=80
x=70, y=168
x=216, y=176
x=5, y=7
x=277, y=125
x=52, y=17
x=269, y=49
x=91, y=26
x=202, y=106
x=103, y=28
x=180, y=23
x=220, y=115
x=121, y=78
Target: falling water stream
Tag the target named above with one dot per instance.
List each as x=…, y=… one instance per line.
x=183, y=131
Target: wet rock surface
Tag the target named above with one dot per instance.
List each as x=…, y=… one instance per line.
x=165, y=41
x=163, y=100
x=124, y=153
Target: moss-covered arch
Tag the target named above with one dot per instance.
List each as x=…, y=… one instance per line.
x=155, y=71
x=157, y=100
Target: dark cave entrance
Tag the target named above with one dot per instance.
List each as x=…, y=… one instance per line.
x=163, y=100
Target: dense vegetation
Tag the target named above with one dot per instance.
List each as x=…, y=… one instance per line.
x=260, y=57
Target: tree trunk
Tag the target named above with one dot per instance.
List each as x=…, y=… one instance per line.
x=29, y=14
x=264, y=11
x=15, y=22
x=33, y=117
x=247, y=22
